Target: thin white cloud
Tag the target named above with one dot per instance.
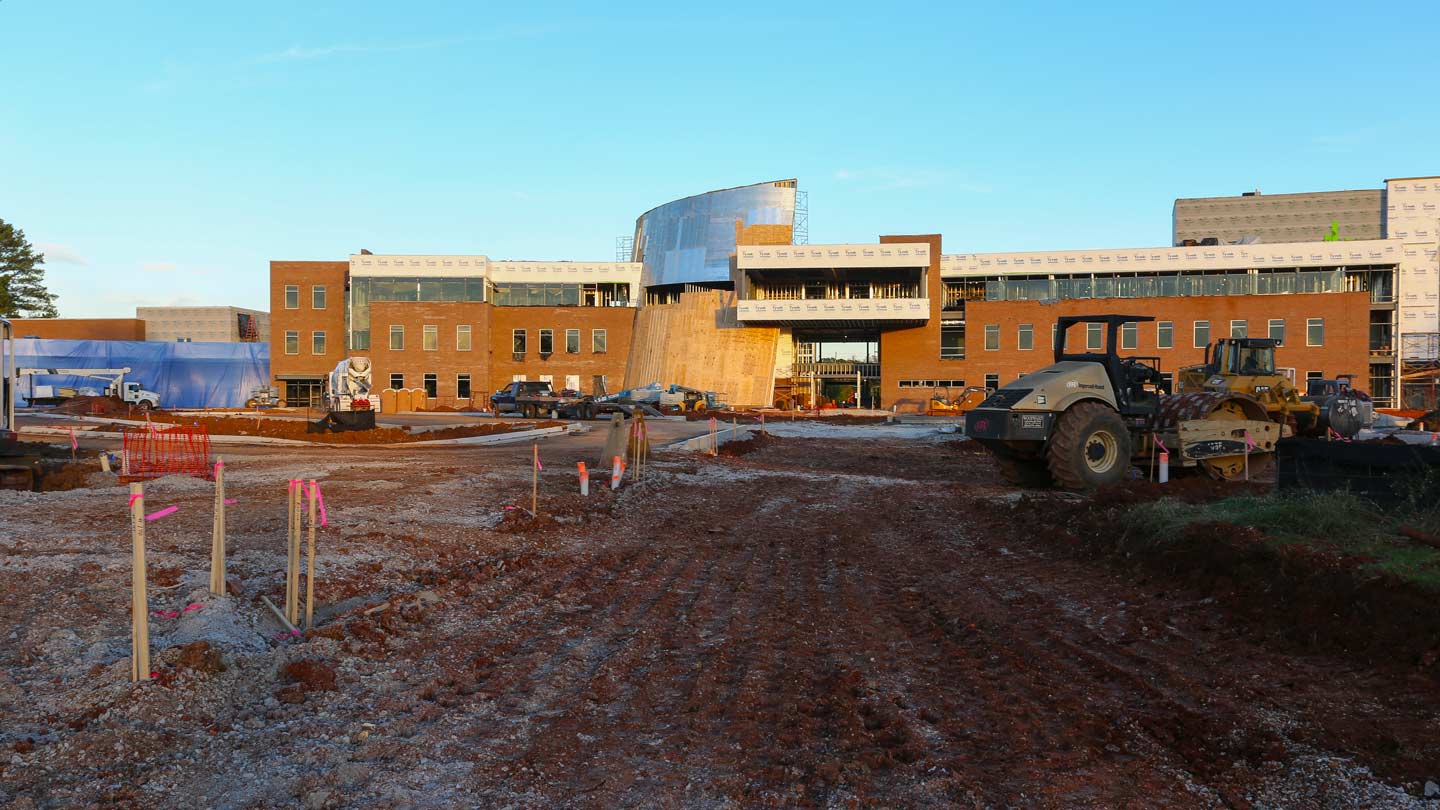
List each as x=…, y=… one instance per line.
x=158, y=267
x=56, y=253
x=296, y=53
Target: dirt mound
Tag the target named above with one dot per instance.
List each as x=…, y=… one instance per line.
x=311, y=676
x=295, y=429
x=201, y=657
x=745, y=447
x=104, y=406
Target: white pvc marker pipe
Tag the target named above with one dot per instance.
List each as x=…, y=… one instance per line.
x=584, y=479
x=1164, y=467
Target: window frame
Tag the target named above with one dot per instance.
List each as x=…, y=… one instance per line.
x=572, y=333
x=989, y=378
x=1195, y=340
x=464, y=387
x=1094, y=337
x=430, y=382
x=1132, y=330
x=292, y=290
x=1312, y=324
x=546, y=334
x=292, y=338
x=1169, y=342
x=430, y=337
x=1025, y=337
x=599, y=341
x=992, y=330
x=519, y=341
x=468, y=344
x=318, y=290
x=1270, y=331
x=317, y=337
x=397, y=330
x=397, y=376
x=1244, y=327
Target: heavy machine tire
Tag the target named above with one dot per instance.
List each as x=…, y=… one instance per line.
x=1021, y=471
x=252, y=403
x=1090, y=448
x=144, y=405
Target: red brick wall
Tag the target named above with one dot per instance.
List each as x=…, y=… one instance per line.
x=80, y=328
x=306, y=319
x=904, y=355
x=912, y=352
x=618, y=322
x=414, y=361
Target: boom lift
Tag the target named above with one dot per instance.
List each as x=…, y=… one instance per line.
x=116, y=386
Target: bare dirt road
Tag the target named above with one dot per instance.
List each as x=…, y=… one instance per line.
x=814, y=623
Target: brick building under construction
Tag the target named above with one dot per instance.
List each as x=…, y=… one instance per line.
x=722, y=293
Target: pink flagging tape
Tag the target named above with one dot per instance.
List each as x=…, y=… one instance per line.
x=293, y=483
x=218, y=465
x=73, y=442
x=133, y=498
x=287, y=634
x=229, y=501
x=169, y=510
x=174, y=614
x=1159, y=443
x=1249, y=442
x=538, y=465
x=320, y=502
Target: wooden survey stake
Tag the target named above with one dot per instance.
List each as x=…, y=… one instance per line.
x=139, y=599
x=217, y=540
x=535, y=480
x=310, y=557
x=292, y=565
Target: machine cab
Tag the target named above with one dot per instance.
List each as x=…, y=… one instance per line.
x=1246, y=357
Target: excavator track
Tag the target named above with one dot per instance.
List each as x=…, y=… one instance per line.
x=1215, y=406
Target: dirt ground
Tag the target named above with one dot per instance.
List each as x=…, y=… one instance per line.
x=800, y=622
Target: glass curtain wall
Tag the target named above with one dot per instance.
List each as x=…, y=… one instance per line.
x=689, y=241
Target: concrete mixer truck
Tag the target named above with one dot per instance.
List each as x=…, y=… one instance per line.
x=348, y=396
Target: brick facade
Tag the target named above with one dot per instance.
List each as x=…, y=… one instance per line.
x=305, y=320
x=913, y=352
x=618, y=323
x=1345, y=350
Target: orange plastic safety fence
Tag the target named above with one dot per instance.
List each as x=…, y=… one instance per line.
x=179, y=450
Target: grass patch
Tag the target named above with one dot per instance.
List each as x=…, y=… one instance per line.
x=1332, y=521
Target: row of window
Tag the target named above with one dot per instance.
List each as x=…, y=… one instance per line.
x=430, y=340
x=463, y=389
x=292, y=296
x=992, y=381
x=1130, y=335
x=292, y=342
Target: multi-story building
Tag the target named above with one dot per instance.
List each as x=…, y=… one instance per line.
x=887, y=322
x=205, y=324
x=458, y=327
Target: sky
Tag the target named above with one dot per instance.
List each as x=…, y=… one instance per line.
x=163, y=153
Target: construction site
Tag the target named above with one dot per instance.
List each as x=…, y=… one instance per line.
x=1083, y=589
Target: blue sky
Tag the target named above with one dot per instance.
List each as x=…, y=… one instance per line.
x=164, y=153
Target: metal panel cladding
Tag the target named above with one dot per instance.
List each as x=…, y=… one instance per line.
x=690, y=240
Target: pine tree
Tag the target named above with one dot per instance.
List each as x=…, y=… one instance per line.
x=22, y=279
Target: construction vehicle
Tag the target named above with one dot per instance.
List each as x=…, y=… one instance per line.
x=8, y=435
x=1344, y=408
x=1082, y=421
x=535, y=398
x=941, y=403
x=115, y=386
x=667, y=399
x=263, y=396
x=348, y=401
x=1247, y=366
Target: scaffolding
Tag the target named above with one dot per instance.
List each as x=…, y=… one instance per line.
x=624, y=248
x=800, y=233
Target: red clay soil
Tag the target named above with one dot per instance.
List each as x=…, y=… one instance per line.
x=818, y=623
x=105, y=406
x=296, y=430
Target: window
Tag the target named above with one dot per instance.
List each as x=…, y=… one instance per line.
x=1313, y=375
x=1167, y=382
x=547, y=341
x=1164, y=334
x=517, y=341
x=462, y=386
x=1025, y=340
x=1315, y=332
x=462, y=338
x=952, y=342
x=292, y=296
x=1277, y=331
x=432, y=385
x=317, y=296
x=430, y=338
x=397, y=338
x=1130, y=335
x=992, y=337
x=1054, y=334
x=1239, y=329
x=992, y=381
x=1202, y=334
x=317, y=342
x=572, y=341
x=597, y=341
x=1094, y=337
x=292, y=342
x=397, y=381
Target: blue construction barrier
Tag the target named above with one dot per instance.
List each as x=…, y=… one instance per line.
x=185, y=375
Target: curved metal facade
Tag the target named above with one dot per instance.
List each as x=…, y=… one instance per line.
x=690, y=240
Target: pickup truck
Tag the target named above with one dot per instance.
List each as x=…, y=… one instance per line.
x=536, y=399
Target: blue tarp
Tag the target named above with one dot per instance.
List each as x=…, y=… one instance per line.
x=185, y=375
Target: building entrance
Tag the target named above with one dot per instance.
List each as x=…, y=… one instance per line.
x=837, y=369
